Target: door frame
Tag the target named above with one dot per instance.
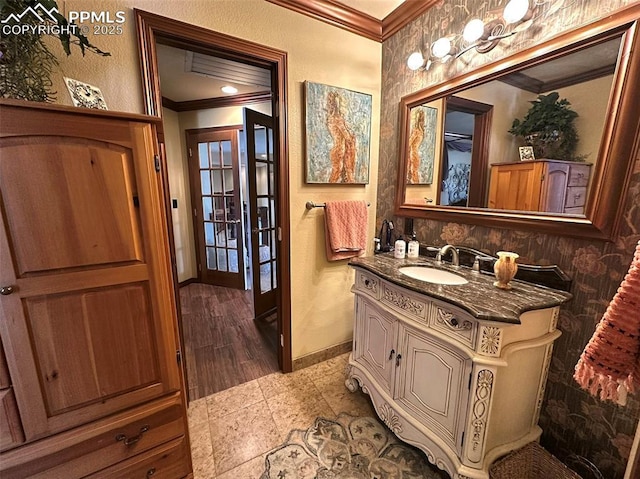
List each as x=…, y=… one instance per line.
x=150, y=26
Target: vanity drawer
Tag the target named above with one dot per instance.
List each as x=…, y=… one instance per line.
x=93, y=447
x=367, y=283
x=579, y=175
x=169, y=461
x=411, y=305
x=576, y=196
x=454, y=324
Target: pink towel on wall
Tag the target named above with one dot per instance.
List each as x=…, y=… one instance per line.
x=610, y=363
x=345, y=229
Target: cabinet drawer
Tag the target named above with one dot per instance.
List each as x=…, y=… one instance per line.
x=11, y=434
x=412, y=305
x=368, y=283
x=454, y=324
x=93, y=447
x=579, y=175
x=576, y=196
x=169, y=461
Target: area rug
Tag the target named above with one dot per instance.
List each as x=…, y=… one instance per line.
x=347, y=447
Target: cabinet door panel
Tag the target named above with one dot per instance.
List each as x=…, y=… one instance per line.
x=89, y=327
x=376, y=342
x=92, y=345
x=88, y=185
x=434, y=383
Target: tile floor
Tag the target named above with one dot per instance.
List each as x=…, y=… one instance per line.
x=232, y=431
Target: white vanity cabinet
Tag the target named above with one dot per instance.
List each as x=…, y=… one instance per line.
x=463, y=390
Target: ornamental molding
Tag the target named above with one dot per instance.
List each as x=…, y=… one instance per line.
x=480, y=410
x=445, y=317
x=554, y=319
x=404, y=302
x=490, y=340
x=369, y=283
x=543, y=383
x=390, y=418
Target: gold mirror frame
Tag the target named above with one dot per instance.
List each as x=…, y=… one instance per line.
x=613, y=169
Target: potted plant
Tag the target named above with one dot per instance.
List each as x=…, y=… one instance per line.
x=549, y=128
x=26, y=63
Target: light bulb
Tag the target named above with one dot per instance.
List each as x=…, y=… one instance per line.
x=415, y=60
x=515, y=11
x=474, y=30
x=441, y=47
x=229, y=89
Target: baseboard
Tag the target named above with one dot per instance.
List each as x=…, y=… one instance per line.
x=187, y=282
x=319, y=356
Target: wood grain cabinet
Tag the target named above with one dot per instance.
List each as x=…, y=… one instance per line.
x=463, y=390
x=551, y=186
x=88, y=313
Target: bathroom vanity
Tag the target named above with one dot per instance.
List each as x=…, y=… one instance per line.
x=457, y=370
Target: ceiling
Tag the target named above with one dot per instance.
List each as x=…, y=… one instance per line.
x=180, y=83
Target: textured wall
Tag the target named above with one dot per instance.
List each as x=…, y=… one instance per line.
x=573, y=421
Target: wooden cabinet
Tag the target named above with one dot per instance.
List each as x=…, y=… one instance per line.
x=89, y=322
x=441, y=379
x=552, y=186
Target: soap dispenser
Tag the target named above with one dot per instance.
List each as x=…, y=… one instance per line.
x=413, y=249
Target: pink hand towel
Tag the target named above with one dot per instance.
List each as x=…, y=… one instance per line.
x=610, y=363
x=345, y=229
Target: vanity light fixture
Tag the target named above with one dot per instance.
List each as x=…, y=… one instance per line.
x=481, y=35
x=229, y=90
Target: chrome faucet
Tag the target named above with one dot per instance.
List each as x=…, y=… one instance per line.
x=455, y=258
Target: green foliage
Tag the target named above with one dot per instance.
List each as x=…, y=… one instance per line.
x=26, y=63
x=549, y=127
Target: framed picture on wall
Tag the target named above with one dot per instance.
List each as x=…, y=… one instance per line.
x=337, y=134
x=526, y=153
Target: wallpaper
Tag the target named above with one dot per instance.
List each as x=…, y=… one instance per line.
x=579, y=429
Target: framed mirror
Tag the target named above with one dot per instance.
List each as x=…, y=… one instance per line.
x=459, y=163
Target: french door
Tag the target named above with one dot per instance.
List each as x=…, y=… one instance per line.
x=217, y=208
x=262, y=161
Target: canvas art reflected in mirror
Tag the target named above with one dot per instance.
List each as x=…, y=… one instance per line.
x=338, y=134
x=422, y=145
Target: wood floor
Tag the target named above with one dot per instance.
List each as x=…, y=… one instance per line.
x=224, y=346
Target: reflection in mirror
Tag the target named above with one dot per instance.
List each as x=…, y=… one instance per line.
x=479, y=171
x=464, y=175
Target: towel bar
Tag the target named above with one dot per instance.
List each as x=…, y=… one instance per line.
x=310, y=205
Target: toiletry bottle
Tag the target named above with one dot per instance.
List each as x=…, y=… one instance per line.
x=413, y=249
x=399, y=249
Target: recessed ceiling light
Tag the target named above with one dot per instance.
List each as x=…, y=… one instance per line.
x=229, y=89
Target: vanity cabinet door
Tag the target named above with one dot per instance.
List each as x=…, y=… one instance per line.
x=375, y=341
x=433, y=384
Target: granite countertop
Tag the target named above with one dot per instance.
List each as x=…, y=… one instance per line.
x=479, y=296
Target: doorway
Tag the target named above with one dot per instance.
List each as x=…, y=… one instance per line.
x=153, y=29
x=466, y=155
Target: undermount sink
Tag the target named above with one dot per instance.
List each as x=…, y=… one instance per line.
x=432, y=275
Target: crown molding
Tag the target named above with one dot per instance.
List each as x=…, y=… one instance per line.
x=342, y=16
x=207, y=103
x=336, y=14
